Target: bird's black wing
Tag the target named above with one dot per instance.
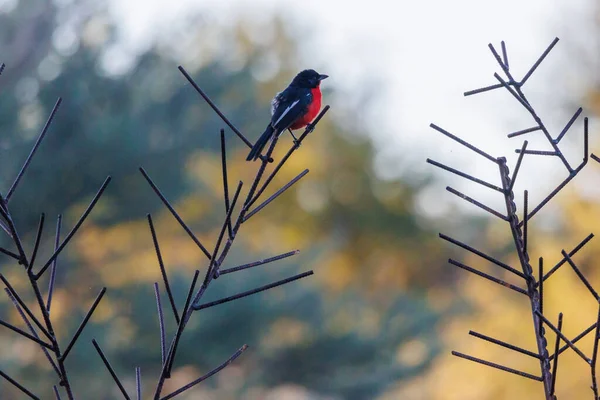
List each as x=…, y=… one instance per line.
x=288, y=106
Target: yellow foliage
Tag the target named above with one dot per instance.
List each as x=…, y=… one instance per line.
x=286, y=332
x=337, y=271
x=506, y=315
x=412, y=353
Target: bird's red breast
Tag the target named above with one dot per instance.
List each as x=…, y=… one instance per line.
x=313, y=109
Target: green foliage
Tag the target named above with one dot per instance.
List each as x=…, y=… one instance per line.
x=339, y=335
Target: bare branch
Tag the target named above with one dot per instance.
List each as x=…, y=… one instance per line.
x=211, y=373
x=33, y=151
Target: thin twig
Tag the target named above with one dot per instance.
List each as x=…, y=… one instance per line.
x=253, y=291
x=70, y=235
x=175, y=214
x=556, y=346
x=18, y=386
x=13, y=187
x=53, y=269
x=138, y=383
x=31, y=329
x=225, y=182
x=161, y=324
x=563, y=337
x=260, y=262
x=36, y=244
x=211, y=373
x=83, y=323
x=275, y=195
x=163, y=271
x=24, y=306
x=497, y=366
x=594, y=355
x=110, y=369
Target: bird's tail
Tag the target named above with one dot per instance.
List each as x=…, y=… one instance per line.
x=260, y=144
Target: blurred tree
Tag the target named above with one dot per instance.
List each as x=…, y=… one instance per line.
x=366, y=320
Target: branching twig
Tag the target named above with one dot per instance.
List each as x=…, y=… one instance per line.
x=49, y=343
x=534, y=286
x=230, y=228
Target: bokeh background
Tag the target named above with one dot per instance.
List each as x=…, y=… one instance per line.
x=379, y=318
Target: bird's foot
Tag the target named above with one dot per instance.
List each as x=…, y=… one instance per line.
x=296, y=142
x=264, y=158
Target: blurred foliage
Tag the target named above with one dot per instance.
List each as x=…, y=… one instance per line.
x=383, y=303
x=506, y=315
x=363, y=323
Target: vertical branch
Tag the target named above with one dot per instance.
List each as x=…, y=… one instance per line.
x=53, y=268
x=532, y=292
x=525, y=204
x=163, y=271
x=213, y=264
x=138, y=383
x=586, y=151
x=556, y=347
x=225, y=184
x=218, y=256
x=166, y=368
x=212, y=271
x=36, y=244
x=186, y=312
x=518, y=166
x=504, y=54
x=161, y=324
x=594, y=355
x=519, y=229
x=541, y=288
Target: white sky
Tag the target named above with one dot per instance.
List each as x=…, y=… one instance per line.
x=427, y=53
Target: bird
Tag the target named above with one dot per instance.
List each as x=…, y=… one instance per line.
x=293, y=108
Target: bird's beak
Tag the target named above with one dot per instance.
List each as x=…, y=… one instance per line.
x=321, y=77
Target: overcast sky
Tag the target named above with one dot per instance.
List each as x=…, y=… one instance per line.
x=426, y=53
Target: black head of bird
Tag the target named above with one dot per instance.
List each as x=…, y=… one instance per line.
x=309, y=78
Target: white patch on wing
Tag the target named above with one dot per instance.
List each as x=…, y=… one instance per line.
x=275, y=103
x=287, y=110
